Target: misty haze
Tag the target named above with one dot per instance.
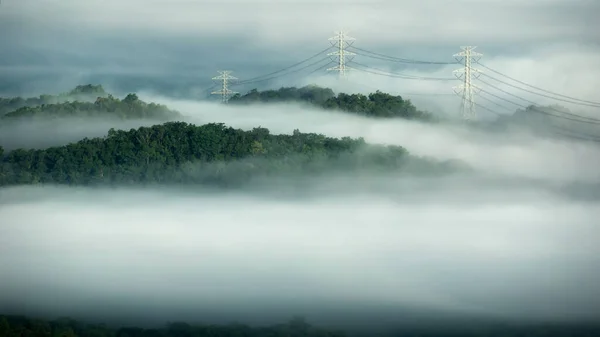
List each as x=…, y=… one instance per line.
x=221, y=168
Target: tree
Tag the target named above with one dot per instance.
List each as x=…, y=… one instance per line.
x=4, y=327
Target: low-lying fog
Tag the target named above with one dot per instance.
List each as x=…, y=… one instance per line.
x=446, y=246
x=514, y=154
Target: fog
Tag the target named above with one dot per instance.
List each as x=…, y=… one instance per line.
x=517, y=238
x=515, y=154
x=494, y=251
x=507, y=240
x=510, y=153
x=42, y=133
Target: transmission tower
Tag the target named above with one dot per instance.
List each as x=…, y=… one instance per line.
x=341, y=41
x=467, y=74
x=224, y=92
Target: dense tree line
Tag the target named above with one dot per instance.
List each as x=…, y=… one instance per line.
x=82, y=93
x=20, y=326
x=310, y=94
x=131, y=107
x=177, y=152
x=377, y=104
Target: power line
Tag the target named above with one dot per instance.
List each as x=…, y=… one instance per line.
x=570, y=134
x=398, y=93
x=397, y=59
x=291, y=72
x=487, y=109
x=500, y=97
x=224, y=92
x=341, y=42
x=467, y=74
x=543, y=95
x=398, y=75
x=582, y=119
x=537, y=88
x=319, y=69
x=286, y=68
x=496, y=103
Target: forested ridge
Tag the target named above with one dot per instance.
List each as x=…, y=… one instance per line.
x=130, y=107
x=81, y=93
x=93, y=100
x=377, y=104
x=21, y=326
x=214, y=154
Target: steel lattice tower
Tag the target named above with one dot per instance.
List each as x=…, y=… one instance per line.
x=224, y=92
x=341, y=41
x=467, y=74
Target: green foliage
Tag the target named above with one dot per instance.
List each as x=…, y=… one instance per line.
x=297, y=327
x=82, y=93
x=182, y=153
x=23, y=326
x=309, y=94
x=4, y=327
x=376, y=104
x=128, y=108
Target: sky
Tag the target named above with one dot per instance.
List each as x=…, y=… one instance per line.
x=175, y=47
x=516, y=239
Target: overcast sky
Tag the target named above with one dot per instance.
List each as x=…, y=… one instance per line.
x=174, y=47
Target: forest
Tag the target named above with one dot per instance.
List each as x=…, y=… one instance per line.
x=211, y=154
x=377, y=104
x=130, y=107
x=81, y=93
x=20, y=326
x=172, y=152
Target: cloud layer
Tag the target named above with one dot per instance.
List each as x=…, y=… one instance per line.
x=508, y=253
x=466, y=245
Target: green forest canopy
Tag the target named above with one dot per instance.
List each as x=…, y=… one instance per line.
x=93, y=100
x=20, y=326
x=177, y=152
x=377, y=104
x=82, y=93
x=130, y=107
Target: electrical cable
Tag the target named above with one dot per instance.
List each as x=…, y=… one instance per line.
x=397, y=75
x=535, y=108
x=539, y=94
x=273, y=77
x=284, y=69
x=398, y=59
x=537, y=88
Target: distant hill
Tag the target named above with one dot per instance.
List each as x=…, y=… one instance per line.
x=211, y=154
x=81, y=93
x=131, y=107
x=377, y=104
x=552, y=120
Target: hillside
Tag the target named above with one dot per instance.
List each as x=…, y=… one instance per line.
x=211, y=154
x=296, y=327
x=81, y=93
x=552, y=121
x=65, y=327
x=131, y=107
x=378, y=104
